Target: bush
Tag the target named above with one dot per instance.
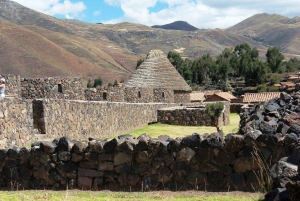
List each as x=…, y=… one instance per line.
x=89, y=84
x=214, y=111
x=273, y=89
x=98, y=82
x=262, y=88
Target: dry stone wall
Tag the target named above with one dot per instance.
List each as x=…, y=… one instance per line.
x=83, y=119
x=15, y=122
x=112, y=94
x=132, y=95
x=191, y=115
x=182, y=97
x=53, y=87
x=207, y=162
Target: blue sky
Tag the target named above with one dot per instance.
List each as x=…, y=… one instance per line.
x=199, y=13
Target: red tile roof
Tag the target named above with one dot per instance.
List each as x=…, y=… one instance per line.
x=260, y=97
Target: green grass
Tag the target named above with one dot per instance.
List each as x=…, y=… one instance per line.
x=157, y=129
x=155, y=195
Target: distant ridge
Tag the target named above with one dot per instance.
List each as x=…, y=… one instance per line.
x=178, y=25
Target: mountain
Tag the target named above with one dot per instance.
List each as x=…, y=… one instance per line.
x=33, y=44
x=271, y=30
x=178, y=25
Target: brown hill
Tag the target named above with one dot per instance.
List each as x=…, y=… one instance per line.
x=271, y=30
x=33, y=44
x=178, y=25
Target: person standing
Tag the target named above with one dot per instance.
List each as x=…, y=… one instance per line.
x=2, y=87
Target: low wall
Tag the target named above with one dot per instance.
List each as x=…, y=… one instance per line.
x=192, y=115
x=83, y=119
x=194, y=162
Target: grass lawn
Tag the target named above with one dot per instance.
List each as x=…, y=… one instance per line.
x=74, y=195
x=157, y=129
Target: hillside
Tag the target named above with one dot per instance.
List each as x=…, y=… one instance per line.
x=271, y=30
x=178, y=25
x=33, y=44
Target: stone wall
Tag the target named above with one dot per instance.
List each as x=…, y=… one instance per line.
x=83, y=119
x=12, y=85
x=206, y=162
x=112, y=94
x=182, y=97
x=53, y=87
x=191, y=115
x=163, y=95
x=15, y=122
x=138, y=95
x=133, y=95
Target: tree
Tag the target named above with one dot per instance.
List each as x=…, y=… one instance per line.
x=275, y=79
x=89, y=84
x=256, y=73
x=176, y=61
x=138, y=63
x=274, y=59
x=201, y=68
x=98, y=82
x=292, y=65
x=122, y=81
x=109, y=85
x=214, y=111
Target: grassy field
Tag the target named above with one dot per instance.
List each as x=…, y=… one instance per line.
x=132, y=196
x=157, y=129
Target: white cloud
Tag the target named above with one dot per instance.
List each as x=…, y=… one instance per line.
x=97, y=12
x=201, y=13
x=55, y=7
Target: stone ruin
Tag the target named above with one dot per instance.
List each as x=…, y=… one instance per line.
x=272, y=122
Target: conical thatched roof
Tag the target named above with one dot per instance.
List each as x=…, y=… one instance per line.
x=157, y=72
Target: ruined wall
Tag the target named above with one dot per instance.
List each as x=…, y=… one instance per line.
x=12, y=85
x=195, y=162
x=15, y=122
x=53, y=87
x=83, y=119
x=191, y=115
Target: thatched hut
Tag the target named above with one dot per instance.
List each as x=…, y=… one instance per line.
x=156, y=80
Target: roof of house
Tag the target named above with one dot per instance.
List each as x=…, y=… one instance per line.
x=226, y=95
x=223, y=95
x=197, y=96
x=288, y=84
x=211, y=92
x=277, y=85
x=157, y=72
x=260, y=97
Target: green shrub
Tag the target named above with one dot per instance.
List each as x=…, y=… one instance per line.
x=214, y=111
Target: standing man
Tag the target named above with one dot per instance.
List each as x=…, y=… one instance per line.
x=2, y=88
